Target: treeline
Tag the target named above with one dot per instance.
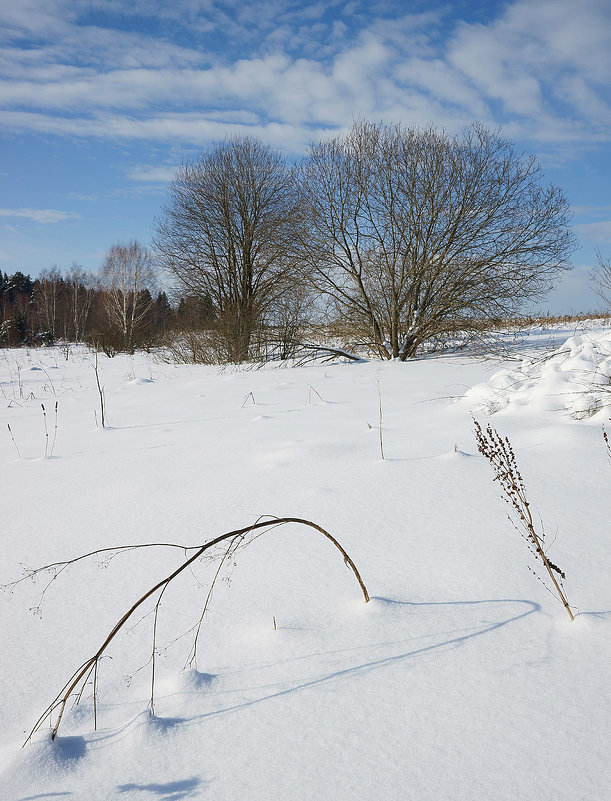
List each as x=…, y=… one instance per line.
x=77, y=306
x=397, y=237
x=400, y=237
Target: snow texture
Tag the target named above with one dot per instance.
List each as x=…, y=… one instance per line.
x=575, y=378
x=463, y=678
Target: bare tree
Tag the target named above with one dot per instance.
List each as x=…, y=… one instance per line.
x=600, y=277
x=63, y=303
x=47, y=298
x=81, y=291
x=288, y=322
x=127, y=278
x=415, y=234
x=225, y=234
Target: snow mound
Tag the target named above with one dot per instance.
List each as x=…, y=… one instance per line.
x=575, y=379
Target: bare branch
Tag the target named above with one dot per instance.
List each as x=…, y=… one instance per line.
x=600, y=277
x=81, y=674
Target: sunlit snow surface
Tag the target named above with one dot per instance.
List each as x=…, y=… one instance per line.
x=463, y=678
x=574, y=378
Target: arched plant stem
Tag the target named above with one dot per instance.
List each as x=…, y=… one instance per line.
x=82, y=673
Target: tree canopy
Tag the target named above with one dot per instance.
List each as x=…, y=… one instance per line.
x=414, y=233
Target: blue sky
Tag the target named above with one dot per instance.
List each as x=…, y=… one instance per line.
x=101, y=100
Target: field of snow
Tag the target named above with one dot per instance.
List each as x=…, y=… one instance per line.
x=461, y=679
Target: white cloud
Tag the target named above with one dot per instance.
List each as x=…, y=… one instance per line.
x=32, y=18
x=490, y=65
x=595, y=232
x=196, y=129
x=44, y=216
x=549, y=58
x=79, y=196
x=438, y=80
x=540, y=68
x=590, y=210
x=152, y=174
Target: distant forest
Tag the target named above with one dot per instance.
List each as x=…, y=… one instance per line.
x=78, y=307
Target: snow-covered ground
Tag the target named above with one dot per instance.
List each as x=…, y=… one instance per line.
x=574, y=378
x=462, y=678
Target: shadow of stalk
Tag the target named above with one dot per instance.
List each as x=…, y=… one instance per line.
x=364, y=667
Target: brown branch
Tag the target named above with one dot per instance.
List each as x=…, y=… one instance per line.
x=82, y=673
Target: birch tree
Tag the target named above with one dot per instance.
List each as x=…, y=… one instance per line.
x=127, y=278
x=81, y=287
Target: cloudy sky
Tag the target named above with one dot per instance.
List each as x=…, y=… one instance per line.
x=100, y=100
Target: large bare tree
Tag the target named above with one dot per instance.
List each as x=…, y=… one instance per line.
x=127, y=279
x=414, y=233
x=225, y=234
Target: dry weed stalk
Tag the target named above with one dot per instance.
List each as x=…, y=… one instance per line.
x=380, y=416
x=498, y=451
x=238, y=538
x=316, y=392
x=44, y=417
x=49, y=378
x=54, y=431
x=252, y=397
x=100, y=391
x=607, y=442
x=10, y=431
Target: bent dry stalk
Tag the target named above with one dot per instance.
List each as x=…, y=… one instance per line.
x=81, y=675
x=10, y=431
x=54, y=431
x=100, y=392
x=380, y=418
x=44, y=417
x=500, y=455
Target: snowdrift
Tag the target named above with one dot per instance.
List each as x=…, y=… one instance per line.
x=574, y=379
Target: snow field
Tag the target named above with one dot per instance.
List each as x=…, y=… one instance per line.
x=461, y=679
